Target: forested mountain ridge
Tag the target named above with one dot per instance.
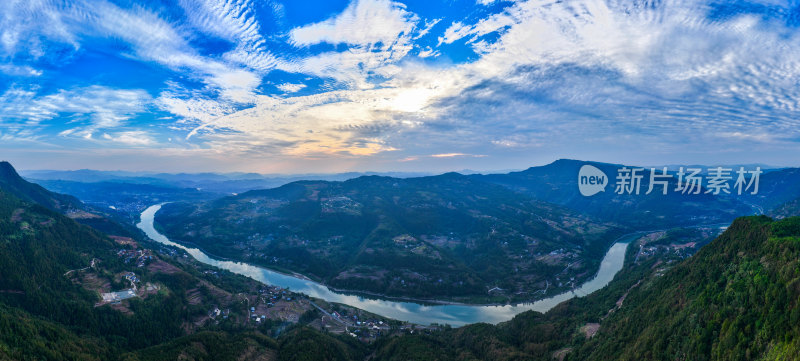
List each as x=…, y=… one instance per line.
x=72, y=207
x=788, y=209
x=738, y=298
x=14, y=184
x=447, y=236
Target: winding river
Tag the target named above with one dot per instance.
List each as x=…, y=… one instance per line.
x=454, y=315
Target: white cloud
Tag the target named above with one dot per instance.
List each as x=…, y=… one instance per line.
x=192, y=107
x=19, y=70
x=338, y=122
x=455, y=31
x=493, y=23
x=428, y=52
x=429, y=24
x=379, y=34
x=663, y=70
x=544, y=73
x=230, y=19
x=555, y=70
x=353, y=67
x=131, y=138
x=363, y=22
x=757, y=137
x=21, y=32
x=453, y=155
x=290, y=87
x=154, y=39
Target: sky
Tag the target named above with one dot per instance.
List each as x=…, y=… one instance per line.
x=376, y=85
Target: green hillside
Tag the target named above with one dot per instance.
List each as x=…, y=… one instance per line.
x=52, y=270
x=736, y=299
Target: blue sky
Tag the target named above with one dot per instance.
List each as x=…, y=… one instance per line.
x=332, y=86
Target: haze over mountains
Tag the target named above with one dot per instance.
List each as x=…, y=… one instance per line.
x=206, y=182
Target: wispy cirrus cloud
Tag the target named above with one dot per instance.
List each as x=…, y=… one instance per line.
x=90, y=109
x=145, y=34
x=234, y=20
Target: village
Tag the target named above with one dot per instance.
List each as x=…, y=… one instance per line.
x=271, y=309
x=276, y=307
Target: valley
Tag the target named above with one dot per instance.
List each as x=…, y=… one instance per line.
x=260, y=312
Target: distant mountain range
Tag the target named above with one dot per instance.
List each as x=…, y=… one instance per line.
x=558, y=183
x=225, y=183
x=554, y=183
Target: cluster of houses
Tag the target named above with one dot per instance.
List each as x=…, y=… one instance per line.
x=273, y=294
x=338, y=203
x=139, y=257
x=269, y=296
x=211, y=273
x=681, y=251
x=353, y=320
x=216, y=312
x=132, y=278
x=256, y=318
x=169, y=251
x=116, y=297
